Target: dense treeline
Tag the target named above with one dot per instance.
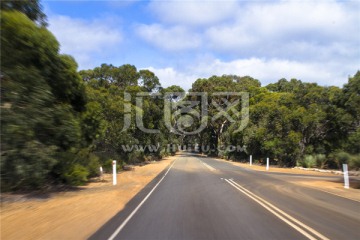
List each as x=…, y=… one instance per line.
x=59, y=125
x=121, y=123
x=291, y=122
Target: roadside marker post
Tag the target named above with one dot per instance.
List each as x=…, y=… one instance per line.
x=101, y=173
x=250, y=160
x=267, y=164
x=114, y=173
x=346, y=176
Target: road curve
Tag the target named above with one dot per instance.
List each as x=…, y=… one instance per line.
x=202, y=198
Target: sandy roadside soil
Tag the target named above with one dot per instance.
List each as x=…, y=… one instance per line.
x=74, y=214
x=333, y=187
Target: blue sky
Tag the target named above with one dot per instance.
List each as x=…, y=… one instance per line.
x=180, y=41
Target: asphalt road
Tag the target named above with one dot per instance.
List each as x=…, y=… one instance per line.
x=203, y=198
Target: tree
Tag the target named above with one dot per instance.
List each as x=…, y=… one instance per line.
x=42, y=101
x=31, y=8
x=149, y=81
x=106, y=86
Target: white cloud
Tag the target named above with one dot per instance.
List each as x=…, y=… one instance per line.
x=174, y=38
x=291, y=17
x=267, y=28
x=193, y=12
x=300, y=31
x=274, y=69
x=84, y=38
x=169, y=76
x=230, y=38
x=267, y=71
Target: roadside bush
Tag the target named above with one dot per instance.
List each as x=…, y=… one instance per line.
x=321, y=160
x=309, y=161
x=90, y=161
x=93, y=166
x=75, y=167
x=341, y=158
x=354, y=162
x=76, y=175
x=107, y=166
x=135, y=157
x=27, y=167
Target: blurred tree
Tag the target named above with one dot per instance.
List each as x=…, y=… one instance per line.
x=42, y=100
x=31, y=8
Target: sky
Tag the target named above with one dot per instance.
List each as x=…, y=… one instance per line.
x=183, y=40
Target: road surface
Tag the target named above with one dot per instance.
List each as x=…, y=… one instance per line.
x=204, y=198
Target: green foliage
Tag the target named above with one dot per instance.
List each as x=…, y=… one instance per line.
x=341, y=158
x=321, y=160
x=76, y=175
x=106, y=114
x=75, y=166
x=309, y=161
x=31, y=8
x=353, y=143
x=43, y=97
x=26, y=167
x=312, y=161
x=289, y=120
x=354, y=162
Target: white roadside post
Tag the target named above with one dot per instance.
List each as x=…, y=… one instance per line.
x=346, y=176
x=101, y=173
x=267, y=164
x=250, y=160
x=114, y=172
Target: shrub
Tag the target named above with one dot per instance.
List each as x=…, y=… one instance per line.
x=341, y=158
x=354, y=162
x=27, y=167
x=107, y=166
x=76, y=175
x=93, y=166
x=135, y=157
x=321, y=160
x=309, y=161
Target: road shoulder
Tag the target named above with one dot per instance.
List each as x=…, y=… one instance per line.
x=332, y=186
x=75, y=214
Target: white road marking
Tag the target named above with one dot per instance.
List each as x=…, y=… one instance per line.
x=348, y=198
x=117, y=231
x=208, y=166
x=294, y=223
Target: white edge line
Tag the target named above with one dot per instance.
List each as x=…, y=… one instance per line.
x=283, y=213
x=269, y=207
x=117, y=231
x=335, y=194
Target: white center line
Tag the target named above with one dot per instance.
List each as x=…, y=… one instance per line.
x=117, y=231
x=296, y=224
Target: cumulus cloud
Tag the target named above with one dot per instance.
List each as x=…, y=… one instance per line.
x=267, y=71
x=315, y=41
x=174, y=38
x=277, y=29
x=169, y=76
x=83, y=38
x=193, y=12
x=271, y=70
